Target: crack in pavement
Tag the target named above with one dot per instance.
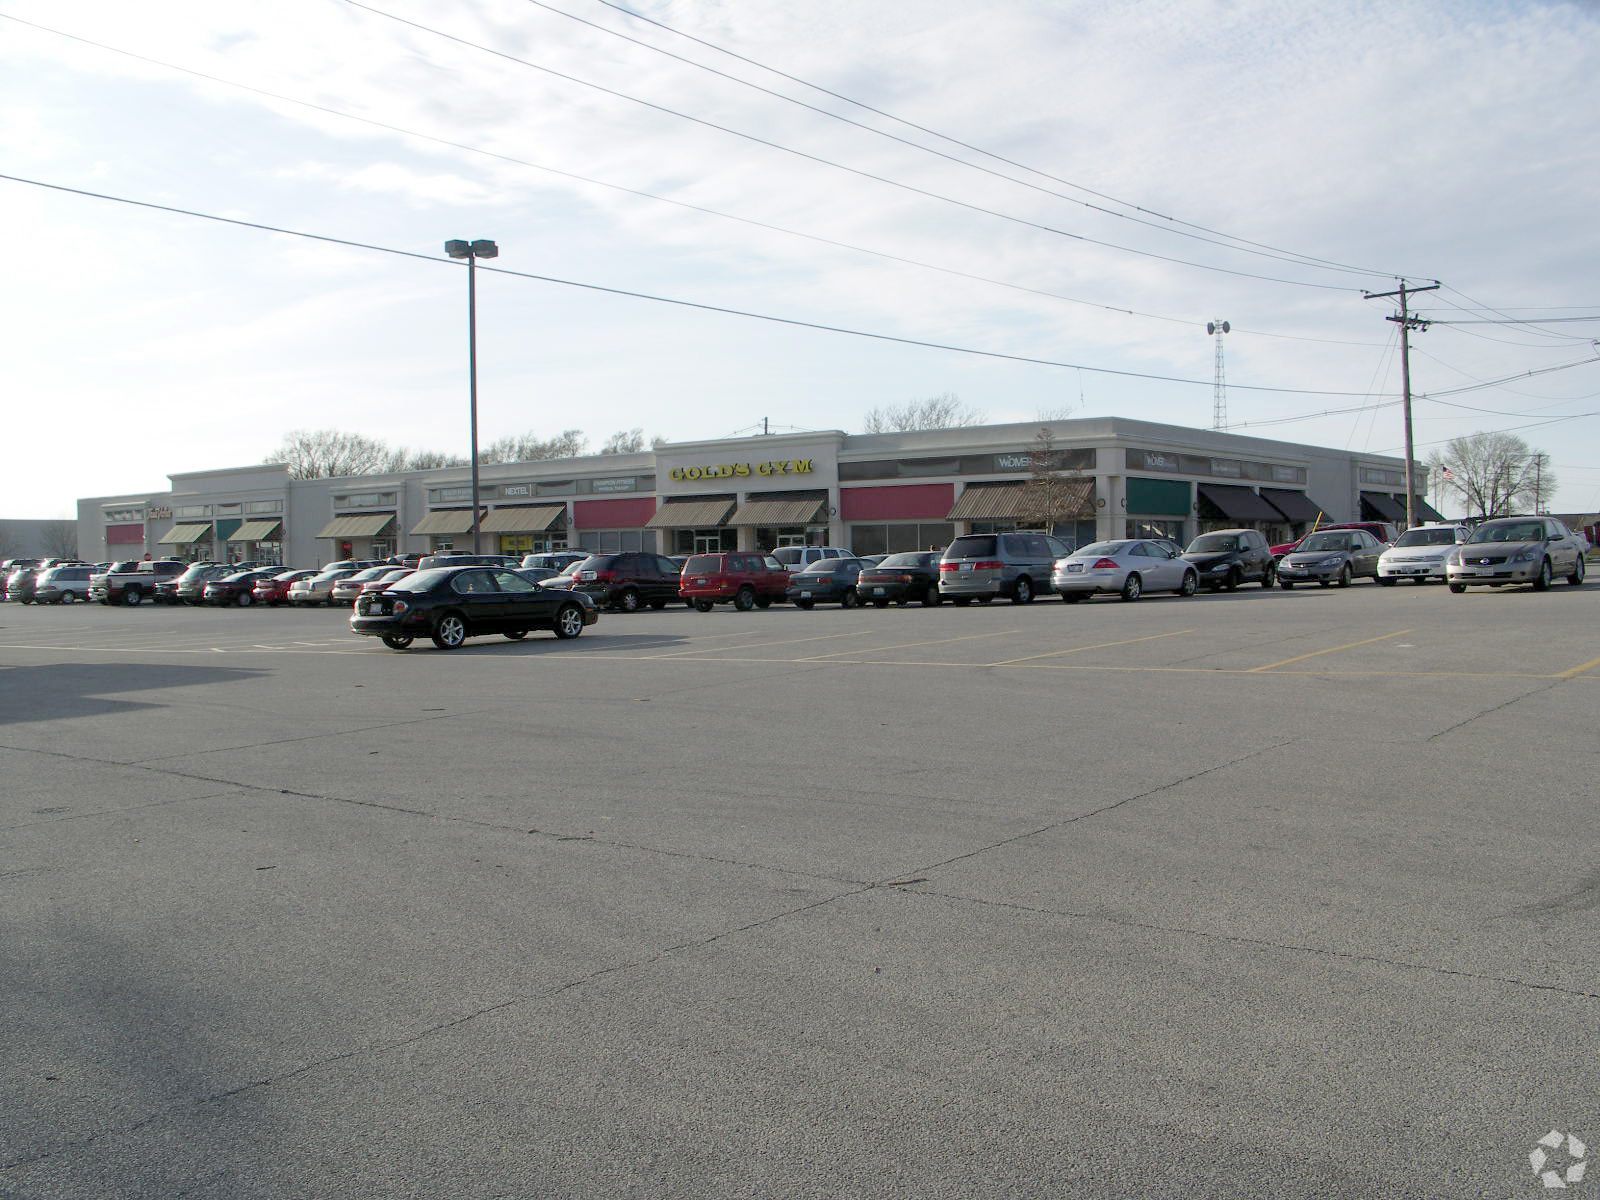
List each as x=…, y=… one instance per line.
x=111, y=812
x=1265, y=943
x=1491, y=711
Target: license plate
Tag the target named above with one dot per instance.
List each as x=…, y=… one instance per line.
x=966, y=567
x=805, y=595
x=1074, y=568
x=877, y=591
x=699, y=583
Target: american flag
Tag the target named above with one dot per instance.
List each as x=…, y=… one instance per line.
x=1448, y=473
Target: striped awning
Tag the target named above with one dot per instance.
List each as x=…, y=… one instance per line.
x=1011, y=502
x=786, y=510
x=445, y=520
x=691, y=514
x=185, y=535
x=366, y=525
x=257, y=531
x=533, y=519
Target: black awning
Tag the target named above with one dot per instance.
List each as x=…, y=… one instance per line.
x=1376, y=506
x=1235, y=503
x=1426, y=511
x=1295, y=506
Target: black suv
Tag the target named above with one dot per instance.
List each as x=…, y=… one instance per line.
x=627, y=581
x=1226, y=558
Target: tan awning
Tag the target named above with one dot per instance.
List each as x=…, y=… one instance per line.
x=185, y=535
x=366, y=525
x=257, y=531
x=1009, y=502
x=786, y=510
x=523, y=520
x=690, y=514
x=446, y=520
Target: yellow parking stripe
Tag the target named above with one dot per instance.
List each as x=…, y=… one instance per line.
x=1579, y=670
x=1330, y=650
x=1097, y=646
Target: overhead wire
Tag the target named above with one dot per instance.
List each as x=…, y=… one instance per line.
x=644, y=195
x=636, y=295
x=855, y=171
x=1243, y=242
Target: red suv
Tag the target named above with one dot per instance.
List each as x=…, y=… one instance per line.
x=747, y=579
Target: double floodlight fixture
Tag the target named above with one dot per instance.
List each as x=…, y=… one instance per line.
x=482, y=248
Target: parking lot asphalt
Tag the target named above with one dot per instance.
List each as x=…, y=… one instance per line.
x=1283, y=894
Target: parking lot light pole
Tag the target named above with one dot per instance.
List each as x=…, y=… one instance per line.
x=472, y=252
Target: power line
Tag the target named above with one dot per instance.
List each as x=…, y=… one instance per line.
x=856, y=171
x=616, y=187
x=1243, y=242
x=1233, y=244
x=692, y=304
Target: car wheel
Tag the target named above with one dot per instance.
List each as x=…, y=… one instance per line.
x=1458, y=588
x=569, y=622
x=1191, y=584
x=1344, y=575
x=1071, y=597
x=961, y=601
x=1574, y=579
x=850, y=599
x=1269, y=576
x=1231, y=583
x=804, y=604
x=73, y=597
x=515, y=635
x=658, y=605
x=450, y=632
x=1387, y=581
x=763, y=601
x=1022, y=593
x=880, y=604
x=396, y=641
x=744, y=600
x=628, y=601
x=931, y=597
x=1542, y=584
x=246, y=599
x=132, y=597
x=1132, y=586
x=703, y=606
x=985, y=599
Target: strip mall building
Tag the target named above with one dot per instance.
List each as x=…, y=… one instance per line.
x=872, y=493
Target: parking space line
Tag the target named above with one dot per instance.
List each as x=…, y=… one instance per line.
x=1097, y=646
x=763, y=645
x=907, y=645
x=1330, y=650
x=1574, y=672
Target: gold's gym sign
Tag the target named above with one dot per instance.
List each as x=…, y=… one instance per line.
x=788, y=466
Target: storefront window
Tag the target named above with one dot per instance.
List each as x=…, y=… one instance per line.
x=771, y=537
x=1151, y=527
x=901, y=537
x=607, y=541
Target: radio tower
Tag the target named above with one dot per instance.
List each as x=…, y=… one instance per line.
x=1219, y=400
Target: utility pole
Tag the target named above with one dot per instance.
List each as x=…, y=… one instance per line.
x=1407, y=323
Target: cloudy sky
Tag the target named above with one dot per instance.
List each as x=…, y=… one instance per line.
x=1053, y=196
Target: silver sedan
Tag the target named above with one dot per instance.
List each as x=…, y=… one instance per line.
x=1127, y=568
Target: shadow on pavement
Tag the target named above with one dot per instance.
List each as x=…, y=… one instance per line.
x=79, y=689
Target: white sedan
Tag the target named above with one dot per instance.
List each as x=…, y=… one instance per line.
x=1125, y=568
x=1418, y=554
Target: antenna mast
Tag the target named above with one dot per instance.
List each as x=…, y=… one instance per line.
x=1219, y=399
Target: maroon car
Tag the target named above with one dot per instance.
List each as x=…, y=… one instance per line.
x=274, y=589
x=234, y=588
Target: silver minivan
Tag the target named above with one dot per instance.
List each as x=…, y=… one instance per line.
x=981, y=566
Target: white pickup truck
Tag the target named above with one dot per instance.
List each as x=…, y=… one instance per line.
x=132, y=582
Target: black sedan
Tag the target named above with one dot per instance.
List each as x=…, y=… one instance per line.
x=901, y=578
x=451, y=604
x=235, y=588
x=826, y=581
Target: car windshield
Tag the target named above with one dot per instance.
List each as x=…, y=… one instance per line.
x=424, y=580
x=1512, y=531
x=971, y=546
x=238, y=576
x=823, y=566
x=702, y=563
x=1096, y=549
x=194, y=573
x=1214, y=543
x=904, y=561
x=1326, y=541
x=1442, y=536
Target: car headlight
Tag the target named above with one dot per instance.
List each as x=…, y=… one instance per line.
x=1453, y=559
x=1330, y=562
x=1219, y=566
x=401, y=606
x=1528, y=554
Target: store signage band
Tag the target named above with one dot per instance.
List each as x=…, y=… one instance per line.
x=516, y=489
x=789, y=466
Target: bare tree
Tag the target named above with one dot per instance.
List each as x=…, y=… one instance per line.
x=425, y=460
x=628, y=441
x=1492, y=474
x=1053, y=495
x=59, y=539
x=330, y=453
x=530, y=447
x=936, y=412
